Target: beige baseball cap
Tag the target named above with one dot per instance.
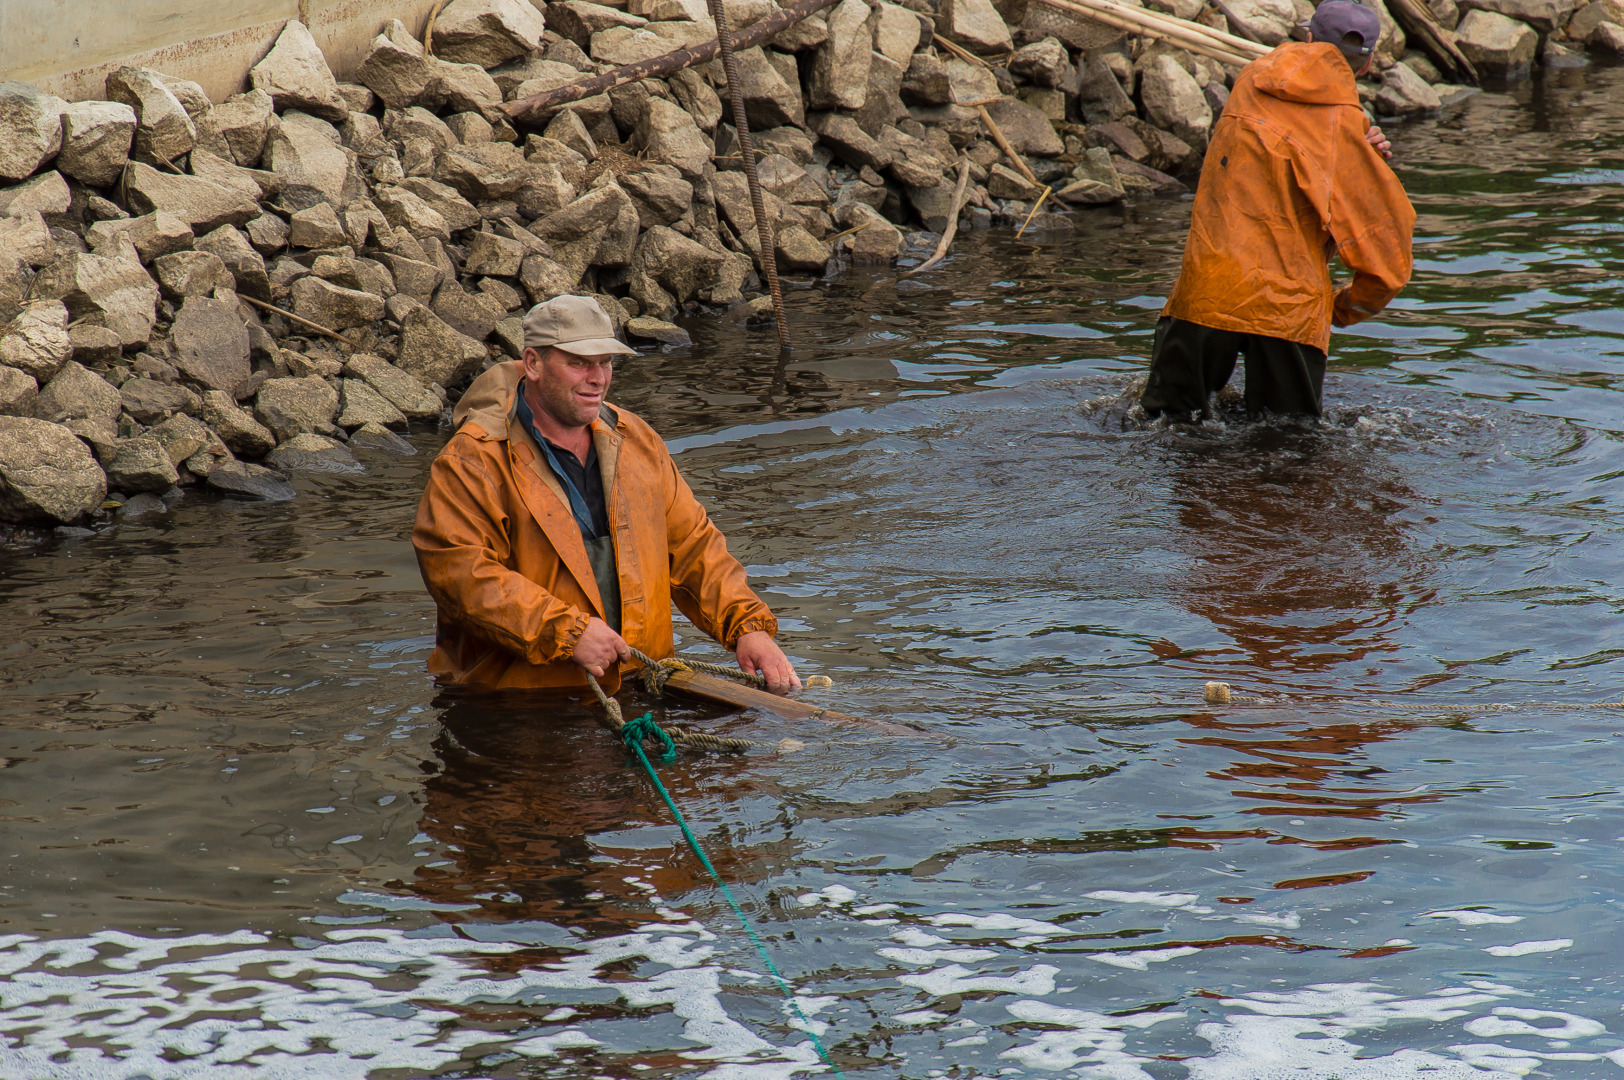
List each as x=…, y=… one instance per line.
x=576, y=324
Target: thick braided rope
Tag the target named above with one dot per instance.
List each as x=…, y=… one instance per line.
x=686, y=738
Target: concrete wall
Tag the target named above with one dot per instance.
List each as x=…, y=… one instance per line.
x=69, y=46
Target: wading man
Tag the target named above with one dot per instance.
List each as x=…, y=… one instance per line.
x=1291, y=177
x=555, y=528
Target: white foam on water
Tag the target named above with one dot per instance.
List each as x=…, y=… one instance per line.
x=1154, y=899
x=937, y=956
x=1094, y=1044
x=1472, y=918
x=954, y=979
x=915, y=937
x=1509, y=1021
x=1015, y=929
x=1524, y=948
x=1141, y=959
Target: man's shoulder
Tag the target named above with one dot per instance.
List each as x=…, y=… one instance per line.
x=632, y=427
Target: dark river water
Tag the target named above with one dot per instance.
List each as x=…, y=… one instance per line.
x=244, y=835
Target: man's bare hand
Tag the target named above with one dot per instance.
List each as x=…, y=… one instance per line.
x=600, y=647
x=1383, y=145
x=759, y=654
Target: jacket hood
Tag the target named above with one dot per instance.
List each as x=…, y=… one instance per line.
x=1310, y=73
x=489, y=400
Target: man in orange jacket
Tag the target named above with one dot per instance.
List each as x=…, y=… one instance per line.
x=555, y=530
x=1291, y=177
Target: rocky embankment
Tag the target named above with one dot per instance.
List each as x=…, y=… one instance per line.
x=401, y=223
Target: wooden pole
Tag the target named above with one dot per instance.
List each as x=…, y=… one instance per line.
x=1439, y=43
x=1003, y=144
x=710, y=688
x=952, y=222
x=1192, y=37
x=536, y=108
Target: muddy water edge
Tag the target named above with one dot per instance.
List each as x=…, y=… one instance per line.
x=244, y=834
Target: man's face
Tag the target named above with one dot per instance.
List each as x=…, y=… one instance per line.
x=569, y=388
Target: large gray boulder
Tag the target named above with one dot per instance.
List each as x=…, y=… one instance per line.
x=1495, y=44
x=25, y=239
x=150, y=401
x=246, y=265
x=291, y=406
x=211, y=343
x=46, y=473
x=404, y=391
x=236, y=129
x=236, y=427
x=1173, y=100
x=1043, y=63
x=404, y=209
x=681, y=266
x=435, y=352
x=310, y=157
x=660, y=196
x=296, y=76
x=202, y=204
x=36, y=341
x=578, y=20
x=250, y=481
x=1027, y=129
x=669, y=136
x=30, y=129
x=334, y=306
x=1543, y=15
x=115, y=292
x=487, y=32
x=1404, y=93
x=76, y=393
x=190, y=273
x=164, y=128
x=839, y=78
x=46, y=193
x=1269, y=20
x=486, y=172
x=141, y=464
x=152, y=235
x=359, y=403
x=896, y=31
x=96, y=140
x=18, y=392
x=396, y=68
x=976, y=25
x=770, y=100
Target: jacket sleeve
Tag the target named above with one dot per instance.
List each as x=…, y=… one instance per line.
x=708, y=585
x=463, y=544
x=1371, y=222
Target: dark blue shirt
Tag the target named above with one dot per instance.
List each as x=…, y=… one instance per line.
x=583, y=481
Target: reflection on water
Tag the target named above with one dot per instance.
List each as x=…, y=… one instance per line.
x=244, y=836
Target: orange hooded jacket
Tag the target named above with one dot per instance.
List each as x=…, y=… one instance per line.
x=1288, y=181
x=503, y=557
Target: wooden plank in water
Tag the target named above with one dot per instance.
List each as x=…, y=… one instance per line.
x=727, y=692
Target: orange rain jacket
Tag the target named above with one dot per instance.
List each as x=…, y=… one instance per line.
x=1288, y=181
x=503, y=557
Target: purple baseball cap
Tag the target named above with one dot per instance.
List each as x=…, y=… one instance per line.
x=1334, y=20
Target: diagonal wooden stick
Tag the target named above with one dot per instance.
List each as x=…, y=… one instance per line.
x=952, y=222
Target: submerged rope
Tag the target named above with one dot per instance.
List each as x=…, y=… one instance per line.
x=635, y=734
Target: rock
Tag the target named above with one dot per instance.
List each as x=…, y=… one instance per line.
x=250, y=481
x=202, y=205
x=469, y=313
x=309, y=452
x=1495, y=44
x=1269, y=20
x=435, y=352
x=182, y=437
x=191, y=96
x=403, y=391
x=976, y=25
x=769, y=99
x=291, y=406
x=1173, y=99
x=76, y=393
x=334, y=306
x=927, y=81
x=1005, y=183
x=486, y=32
x=882, y=102
x=800, y=252
x=309, y=156
x=1404, y=93
x=235, y=426
x=378, y=437
x=1100, y=97
x=569, y=129
x=94, y=344
x=488, y=172
x=46, y=473
x=112, y=292
x=1609, y=36
x=96, y=140
x=360, y=404
x=30, y=129
x=246, y=265
x=896, y=32
x=839, y=76
x=1543, y=15
x=1582, y=26
x=849, y=142
x=493, y=255
x=296, y=76
x=164, y=129
x=880, y=242
x=1027, y=129
x=669, y=136
x=45, y=194
x=151, y=401
x=153, y=235
x=544, y=279
x=396, y=68
x=404, y=210
x=465, y=88
x=317, y=227
x=679, y=265
x=578, y=20
x=25, y=239
x=459, y=213
x=1043, y=63
x=141, y=464
x=267, y=234
x=18, y=392
x=237, y=128
x=36, y=341
x=191, y=273
x=661, y=198
x=211, y=343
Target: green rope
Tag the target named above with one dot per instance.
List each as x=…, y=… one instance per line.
x=634, y=733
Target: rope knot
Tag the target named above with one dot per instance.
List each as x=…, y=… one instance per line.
x=645, y=729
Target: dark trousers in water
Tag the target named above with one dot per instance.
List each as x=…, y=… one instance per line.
x=1189, y=362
